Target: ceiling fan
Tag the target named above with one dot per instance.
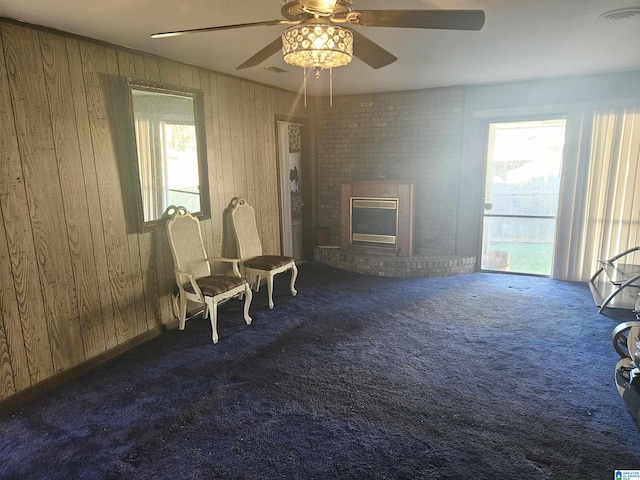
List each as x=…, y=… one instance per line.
x=330, y=15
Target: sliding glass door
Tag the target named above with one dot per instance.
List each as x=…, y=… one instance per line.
x=524, y=160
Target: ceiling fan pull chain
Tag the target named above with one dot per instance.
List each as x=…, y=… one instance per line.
x=331, y=87
x=304, y=82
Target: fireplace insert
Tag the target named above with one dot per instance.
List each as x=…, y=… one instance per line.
x=374, y=221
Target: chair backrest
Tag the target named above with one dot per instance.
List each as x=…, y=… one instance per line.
x=243, y=219
x=185, y=240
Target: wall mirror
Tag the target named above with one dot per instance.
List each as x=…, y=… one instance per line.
x=171, y=164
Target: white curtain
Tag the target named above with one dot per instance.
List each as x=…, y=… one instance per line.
x=599, y=207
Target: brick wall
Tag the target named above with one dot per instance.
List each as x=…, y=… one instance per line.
x=406, y=136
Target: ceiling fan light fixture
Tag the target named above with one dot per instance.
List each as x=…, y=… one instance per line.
x=317, y=46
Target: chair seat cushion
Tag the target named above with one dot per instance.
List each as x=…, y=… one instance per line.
x=268, y=262
x=216, y=284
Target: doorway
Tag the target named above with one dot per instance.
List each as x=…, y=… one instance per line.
x=293, y=211
x=522, y=185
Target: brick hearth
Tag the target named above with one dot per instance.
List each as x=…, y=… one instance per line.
x=385, y=266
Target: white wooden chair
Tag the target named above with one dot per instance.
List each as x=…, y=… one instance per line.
x=193, y=271
x=254, y=263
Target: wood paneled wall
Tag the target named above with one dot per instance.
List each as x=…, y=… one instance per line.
x=76, y=282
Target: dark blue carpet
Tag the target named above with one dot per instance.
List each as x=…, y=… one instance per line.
x=482, y=376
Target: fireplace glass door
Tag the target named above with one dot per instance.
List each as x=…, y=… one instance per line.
x=374, y=221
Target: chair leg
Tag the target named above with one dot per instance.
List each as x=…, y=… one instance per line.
x=257, y=283
x=270, y=288
x=182, y=311
x=213, y=315
x=294, y=275
x=247, y=302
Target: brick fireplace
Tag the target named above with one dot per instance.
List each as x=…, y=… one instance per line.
x=411, y=137
x=377, y=217
x=377, y=229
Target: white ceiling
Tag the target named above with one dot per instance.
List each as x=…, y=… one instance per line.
x=521, y=39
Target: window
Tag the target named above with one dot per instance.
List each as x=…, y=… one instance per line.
x=171, y=163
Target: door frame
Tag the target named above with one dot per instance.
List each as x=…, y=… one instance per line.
x=486, y=123
x=305, y=184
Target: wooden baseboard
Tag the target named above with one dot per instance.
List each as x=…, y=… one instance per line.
x=58, y=379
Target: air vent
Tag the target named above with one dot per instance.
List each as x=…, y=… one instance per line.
x=621, y=13
x=275, y=69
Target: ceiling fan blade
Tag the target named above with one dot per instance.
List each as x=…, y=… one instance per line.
x=438, y=19
x=263, y=54
x=371, y=53
x=223, y=27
